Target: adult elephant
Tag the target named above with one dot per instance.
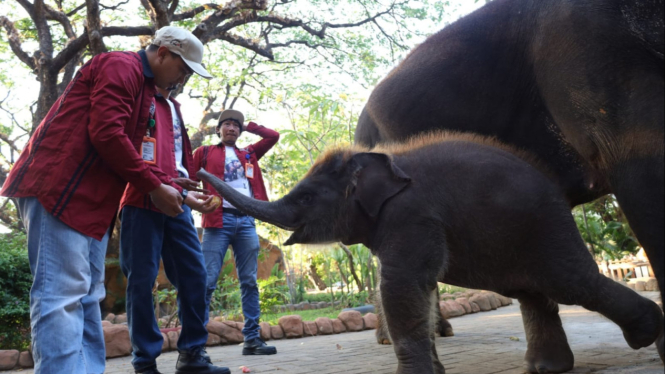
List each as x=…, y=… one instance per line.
x=577, y=83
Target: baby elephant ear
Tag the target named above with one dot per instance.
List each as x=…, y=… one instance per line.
x=377, y=179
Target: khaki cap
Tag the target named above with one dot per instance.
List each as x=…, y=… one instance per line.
x=184, y=44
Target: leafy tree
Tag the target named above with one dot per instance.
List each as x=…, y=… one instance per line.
x=257, y=49
x=605, y=229
x=15, y=282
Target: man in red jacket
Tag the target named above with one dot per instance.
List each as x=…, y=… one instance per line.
x=239, y=167
x=147, y=234
x=68, y=183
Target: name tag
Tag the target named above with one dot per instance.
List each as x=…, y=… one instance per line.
x=249, y=170
x=149, y=150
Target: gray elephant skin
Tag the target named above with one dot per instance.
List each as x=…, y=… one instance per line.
x=578, y=83
x=462, y=210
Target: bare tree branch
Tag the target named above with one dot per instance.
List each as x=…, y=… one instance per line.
x=15, y=42
x=78, y=44
x=93, y=28
x=75, y=10
x=161, y=11
x=114, y=7
x=194, y=11
x=224, y=13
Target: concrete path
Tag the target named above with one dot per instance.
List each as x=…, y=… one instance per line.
x=484, y=343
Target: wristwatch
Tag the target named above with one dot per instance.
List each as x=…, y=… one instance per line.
x=184, y=195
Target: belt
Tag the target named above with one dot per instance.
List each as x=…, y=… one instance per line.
x=233, y=211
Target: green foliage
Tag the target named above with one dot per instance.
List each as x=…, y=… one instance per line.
x=15, y=282
x=272, y=292
x=447, y=288
x=605, y=229
x=307, y=315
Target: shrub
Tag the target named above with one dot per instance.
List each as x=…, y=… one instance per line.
x=15, y=282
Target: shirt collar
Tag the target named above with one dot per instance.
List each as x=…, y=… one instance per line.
x=146, y=66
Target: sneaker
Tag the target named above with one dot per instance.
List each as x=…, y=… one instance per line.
x=149, y=370
x=197, y=361
x=257, y=346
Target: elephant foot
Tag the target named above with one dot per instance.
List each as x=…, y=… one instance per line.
x=382, y=337
x=448, y=331
x=646, y=329
x=548, y=359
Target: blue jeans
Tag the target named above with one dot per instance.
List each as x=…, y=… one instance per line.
x=145, y=236
x=68, y=284
x=239, y=232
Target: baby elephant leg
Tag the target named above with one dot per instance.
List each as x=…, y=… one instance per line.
x=435, y=320
x=547, y=347
x=640, y=319
x=443, y=327
x=382, y=334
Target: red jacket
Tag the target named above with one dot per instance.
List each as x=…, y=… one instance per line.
x=165, y=166
x=212, y=157
x=84, y=151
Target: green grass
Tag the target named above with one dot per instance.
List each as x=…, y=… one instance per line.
x=307, y=315
x=447, y=288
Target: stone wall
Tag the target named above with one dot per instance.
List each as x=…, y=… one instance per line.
x=220, y=332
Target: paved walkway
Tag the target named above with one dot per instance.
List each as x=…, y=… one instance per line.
x=484, y=343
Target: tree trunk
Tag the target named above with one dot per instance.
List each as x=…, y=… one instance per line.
x=316, y=278
x=361, y=286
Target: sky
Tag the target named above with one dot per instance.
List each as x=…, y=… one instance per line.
x=23, y=95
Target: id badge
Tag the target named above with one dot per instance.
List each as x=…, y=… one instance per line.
x=249, y=170
x=149, y=150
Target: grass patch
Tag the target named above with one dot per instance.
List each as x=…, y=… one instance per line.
x=307, y=315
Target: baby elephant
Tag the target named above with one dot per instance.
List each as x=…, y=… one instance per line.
x=463, y=210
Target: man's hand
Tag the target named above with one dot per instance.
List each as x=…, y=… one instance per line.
x=188, y=184
x=167, y=199
x=200, y=202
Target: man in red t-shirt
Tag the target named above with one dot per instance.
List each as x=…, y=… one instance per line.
x=239, y=167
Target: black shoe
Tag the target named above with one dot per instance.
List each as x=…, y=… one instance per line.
x=149, y=370
x=197, y=361
x=257, y=346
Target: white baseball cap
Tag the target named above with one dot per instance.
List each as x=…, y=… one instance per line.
x=184, y=44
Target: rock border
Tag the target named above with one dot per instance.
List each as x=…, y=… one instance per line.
x=116, y=332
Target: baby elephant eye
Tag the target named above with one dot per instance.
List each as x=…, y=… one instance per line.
x=305, y=199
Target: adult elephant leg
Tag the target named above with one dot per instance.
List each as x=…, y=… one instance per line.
x=434, y=320
x=407, y=306
x=639, y=188
x=382, y=334
x=547, y=346
x=443, y=327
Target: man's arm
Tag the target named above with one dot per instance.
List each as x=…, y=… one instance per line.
x=269, y=138
x=111, y=103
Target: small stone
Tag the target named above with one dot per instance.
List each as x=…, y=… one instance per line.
x=651, y=285
x=8, y=359
x=165, y=343
x=265, y=331
x=338, y=326
x=173, y=339
x=352, y=319
x=482, y=301
x=371, y=321
x=324, y=325
x=226, y=331
x=640, y=286
x=106, y=323
x=292, y=326
x=464, y=302
x=213, y=339
x=310, y=328
x=110, y=317
x=122, y=318
x=25, y=360
x=116, y=339
x=276, y=332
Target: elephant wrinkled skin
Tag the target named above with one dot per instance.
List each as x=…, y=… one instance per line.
x=462, y=210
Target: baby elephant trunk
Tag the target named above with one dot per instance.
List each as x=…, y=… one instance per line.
x=275, y=213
